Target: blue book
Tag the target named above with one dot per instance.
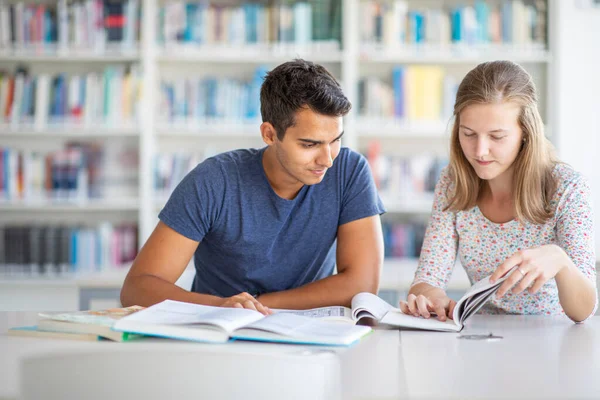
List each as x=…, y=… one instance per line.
x=507, y=21
x=457, y=25
x=482, y=14
x=399, y=91
x=190, y=14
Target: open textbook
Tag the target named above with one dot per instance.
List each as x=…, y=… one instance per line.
x=179, y=320
x=368, y=305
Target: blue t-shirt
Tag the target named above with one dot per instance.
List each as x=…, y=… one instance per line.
x=252, y=240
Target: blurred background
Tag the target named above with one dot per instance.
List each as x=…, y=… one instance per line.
x=105, y=105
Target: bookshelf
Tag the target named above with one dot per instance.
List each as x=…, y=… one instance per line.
x=346, y=49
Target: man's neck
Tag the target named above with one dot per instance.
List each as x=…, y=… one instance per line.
x=283, y=185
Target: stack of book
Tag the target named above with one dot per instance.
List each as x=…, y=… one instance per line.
x=80, y=325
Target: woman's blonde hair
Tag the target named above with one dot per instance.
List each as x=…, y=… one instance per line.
x=533, y=182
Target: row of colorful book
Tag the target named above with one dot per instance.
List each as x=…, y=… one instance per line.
x=53, y=250
x=399, y=177
x=402, y=240
x=414, y=92
x=110, y=98
x=398, y=23
x=195, y=99
x=69, y=25
x=79, y=171
x=285, y=21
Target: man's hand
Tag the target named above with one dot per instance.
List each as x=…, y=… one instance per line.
x=244, y=300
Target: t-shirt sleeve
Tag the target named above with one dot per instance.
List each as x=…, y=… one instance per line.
x=360, y=197
x=194, y=205
x=438, y=254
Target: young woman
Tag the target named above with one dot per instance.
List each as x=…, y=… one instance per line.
x=505, y=201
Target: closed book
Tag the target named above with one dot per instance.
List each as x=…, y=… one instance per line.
x=34, y=331
x=90, y=321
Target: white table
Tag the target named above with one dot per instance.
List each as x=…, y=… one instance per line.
x=538, y=357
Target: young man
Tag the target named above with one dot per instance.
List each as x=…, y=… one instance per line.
x=262, y=224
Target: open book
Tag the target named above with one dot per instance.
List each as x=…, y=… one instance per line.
x=368, y=305
x=178, y=320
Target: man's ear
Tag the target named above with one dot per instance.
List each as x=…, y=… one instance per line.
x=268, y=133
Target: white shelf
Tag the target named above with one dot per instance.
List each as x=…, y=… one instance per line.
x=452, y=54
x=417, y=204
x=52, y=205
x=259, y=53
x=68, y=130
x=210, y=130
x=111, y=278
x=388, y=127
x=42, y=55
x=398, y=274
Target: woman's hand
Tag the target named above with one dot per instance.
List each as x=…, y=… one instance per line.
x=425, y=304
x=535, y=267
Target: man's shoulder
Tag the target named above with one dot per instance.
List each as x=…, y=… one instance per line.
x=348, y=158
x=233, y=160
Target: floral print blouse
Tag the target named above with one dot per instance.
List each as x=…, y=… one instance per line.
x=483, y=245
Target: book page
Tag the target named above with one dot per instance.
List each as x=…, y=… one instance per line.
x=397, y=318
x=292, y=325
x=470, y=296
x=171, y=312
x=370, y=306
x=325, y=313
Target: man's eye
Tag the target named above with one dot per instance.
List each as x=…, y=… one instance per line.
x=308, y=145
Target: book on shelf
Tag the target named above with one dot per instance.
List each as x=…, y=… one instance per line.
x=368, y=305
x=93, y=322
x=399, y=23
x=35, y=332
x=47, y=250
x=185, y=321
x=248, y=23
x=62, y=25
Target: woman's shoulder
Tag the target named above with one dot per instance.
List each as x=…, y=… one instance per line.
x=568, y=181
x=445, y=185
x=566, y=176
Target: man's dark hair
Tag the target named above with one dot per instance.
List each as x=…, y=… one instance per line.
x=299, y=84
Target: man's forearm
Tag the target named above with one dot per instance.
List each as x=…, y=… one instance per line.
x=146, y=290
x=335, y=290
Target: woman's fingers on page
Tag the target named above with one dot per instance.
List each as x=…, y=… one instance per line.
x=440, y=309
x=404, y=307
x=451, y=306
x=423, y=304
x=412, y=304
x=509, y=283
x=527, y=280
x=506, y=266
